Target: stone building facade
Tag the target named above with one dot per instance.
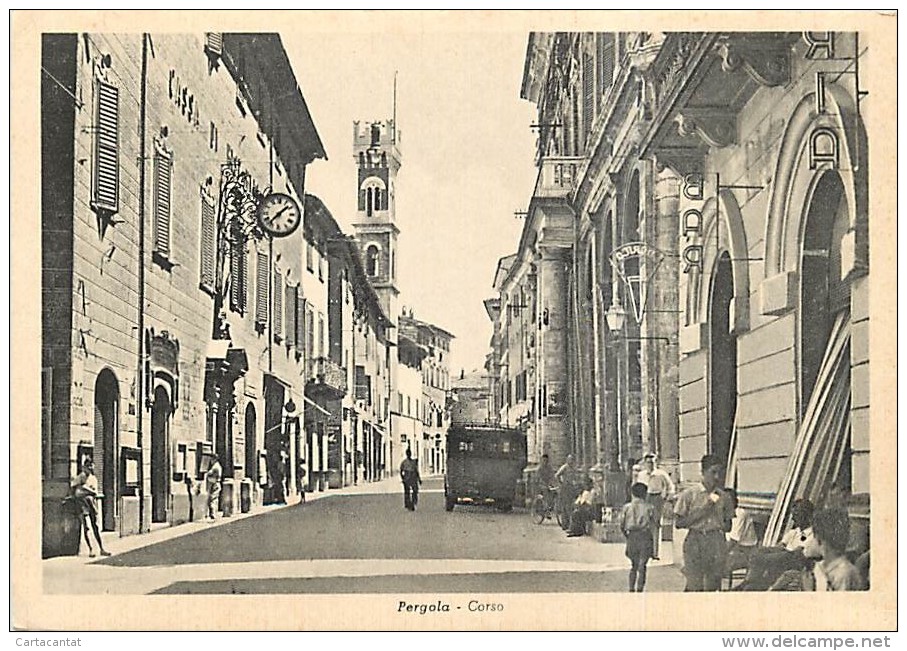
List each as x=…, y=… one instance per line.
x=772, y=209
x=429, y=352
x=164, y=307
x=706, y=195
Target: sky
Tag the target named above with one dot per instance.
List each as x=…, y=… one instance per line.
x=468, y=158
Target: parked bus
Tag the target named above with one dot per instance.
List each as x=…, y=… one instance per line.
x=484, y=464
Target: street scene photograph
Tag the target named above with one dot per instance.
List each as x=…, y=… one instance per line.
x=453, y=316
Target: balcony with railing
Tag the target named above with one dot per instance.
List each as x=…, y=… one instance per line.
x=558, y=176
x=325, y=379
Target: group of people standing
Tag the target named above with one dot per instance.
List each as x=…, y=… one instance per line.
x=810, y=556
x=720, y=535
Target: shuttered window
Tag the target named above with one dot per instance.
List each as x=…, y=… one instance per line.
x=262, y=301
x=163, y=183
x=605, y=55
x=278, y=306
x=214, y=43
x=289, y=306
x=300, y=321
x=239, y=277
x=588, y=94
x=207, y=254
x=310, y=333
x=105, y=186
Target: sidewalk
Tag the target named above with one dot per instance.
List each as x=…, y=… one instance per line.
x=161, y=532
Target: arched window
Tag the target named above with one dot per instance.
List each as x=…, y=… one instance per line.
x=374, y=195
x=371, y=260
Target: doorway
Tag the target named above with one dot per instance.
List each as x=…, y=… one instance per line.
x=823, y=294
x=723, y=361
x=106, y=441
x=251, y=460
x=160, y=443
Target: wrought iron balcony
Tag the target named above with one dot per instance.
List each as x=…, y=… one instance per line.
x=325, y=378
x=558, y=176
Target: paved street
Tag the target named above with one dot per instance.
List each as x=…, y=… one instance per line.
x=359, y=540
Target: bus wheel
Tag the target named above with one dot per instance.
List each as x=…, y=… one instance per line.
x=449, y=503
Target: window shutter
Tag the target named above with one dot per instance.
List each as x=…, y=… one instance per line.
x=214, y=43
x=290, y=311
x=262, y=301
x=588, y=94
x=163, y=172
x=310, y=333
x=278, y=305
x=300, y=321
x=605, y=61
x=239, y=277
x=208, y=243
x=106, y=168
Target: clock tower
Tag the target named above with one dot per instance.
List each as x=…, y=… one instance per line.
x=377, y=153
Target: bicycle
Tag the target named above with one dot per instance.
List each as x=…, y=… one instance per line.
x=545, y=504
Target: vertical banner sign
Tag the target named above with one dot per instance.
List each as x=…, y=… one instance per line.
x=696, y=189
x=636, y=263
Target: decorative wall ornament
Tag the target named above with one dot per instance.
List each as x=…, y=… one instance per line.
x=764, y=57
x=716, y=126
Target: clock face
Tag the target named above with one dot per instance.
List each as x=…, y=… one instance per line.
x=279, y=214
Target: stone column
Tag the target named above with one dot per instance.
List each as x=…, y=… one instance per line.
x=662, y=320
x=555, y=421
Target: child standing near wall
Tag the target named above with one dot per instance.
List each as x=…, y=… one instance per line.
x=636, y=521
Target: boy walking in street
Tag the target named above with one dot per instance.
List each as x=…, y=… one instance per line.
x=706, y=511
x=636, y=519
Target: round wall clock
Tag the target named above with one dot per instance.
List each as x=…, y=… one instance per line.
x=279, y=214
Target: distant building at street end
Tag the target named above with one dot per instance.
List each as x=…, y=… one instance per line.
x=470, y=399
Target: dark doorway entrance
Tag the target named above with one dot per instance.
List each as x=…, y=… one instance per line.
x=251, y=445
x=822, y=292
x=723, y=361
x=106, y=441
x=160, y=443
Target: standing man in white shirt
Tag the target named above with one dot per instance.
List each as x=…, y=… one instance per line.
x=660, y=489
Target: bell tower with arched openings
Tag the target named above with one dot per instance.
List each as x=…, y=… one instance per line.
x=377, y=154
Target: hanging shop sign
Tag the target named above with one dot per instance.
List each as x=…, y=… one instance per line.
x=636, y=264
